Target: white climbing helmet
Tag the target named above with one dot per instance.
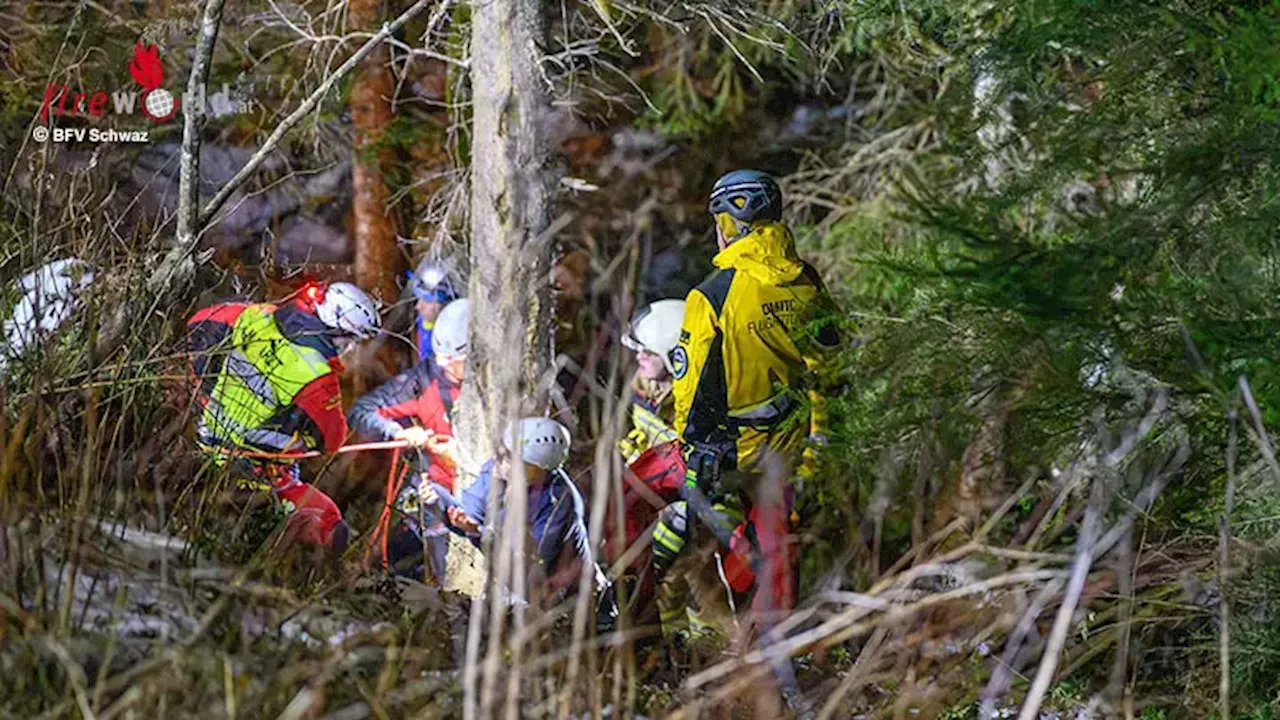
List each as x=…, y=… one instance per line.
x=345, y=308
x=544, y=442
x=451, y=335
x=656, y=328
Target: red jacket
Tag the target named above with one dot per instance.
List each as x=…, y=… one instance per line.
x=316, y=412
x=421, y=395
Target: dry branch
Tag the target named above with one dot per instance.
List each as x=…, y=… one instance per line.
x=193, y=126
x=220, y=197
x=1075, y=586
x=1224, y=569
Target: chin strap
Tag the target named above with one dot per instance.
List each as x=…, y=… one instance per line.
x=731, y=228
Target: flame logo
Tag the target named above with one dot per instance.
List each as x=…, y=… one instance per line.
x=157, y=103
x=145, y=66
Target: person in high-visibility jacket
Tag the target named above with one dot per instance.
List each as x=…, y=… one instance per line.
x=267, y=384
x=649, y=449
x=652, y=335
x=748, y=375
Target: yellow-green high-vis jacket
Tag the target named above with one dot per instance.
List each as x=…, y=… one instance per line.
x=748, y=350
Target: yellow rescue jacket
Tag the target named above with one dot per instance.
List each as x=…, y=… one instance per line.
x=652, y=411
x=262, y=373
x=747, y=353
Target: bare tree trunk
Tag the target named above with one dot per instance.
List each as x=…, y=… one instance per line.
x=193, y=120
x=377, y=258
x=179, y=260
x=511, y=252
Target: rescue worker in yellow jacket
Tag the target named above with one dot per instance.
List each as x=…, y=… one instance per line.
x=755, y=335
x=653, y=457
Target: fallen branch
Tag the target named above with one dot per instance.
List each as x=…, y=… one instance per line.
x=1062, y=624
x=1224, y=568
x=838, y=629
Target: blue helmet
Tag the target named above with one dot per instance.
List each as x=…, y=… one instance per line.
x=747, y=195
x=431, y=283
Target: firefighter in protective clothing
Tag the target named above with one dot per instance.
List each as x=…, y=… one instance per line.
x=649, y=449
x=267, y=384
x=747, y=380
x=652, y=335
x=417, y=406
x=653, y=457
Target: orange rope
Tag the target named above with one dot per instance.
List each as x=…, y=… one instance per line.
x=381, y=532
x=395, y=481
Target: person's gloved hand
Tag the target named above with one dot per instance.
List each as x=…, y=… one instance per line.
x=408, y=500
x=427, y=492
x=248, y=474
x=606, y=609
x=632, y=445
x=415, y=436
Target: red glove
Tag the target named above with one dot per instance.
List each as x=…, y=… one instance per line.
x=312, y=514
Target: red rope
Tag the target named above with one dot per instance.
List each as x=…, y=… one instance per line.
x=381, y=532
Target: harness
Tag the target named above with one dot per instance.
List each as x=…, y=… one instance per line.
x=764, y=415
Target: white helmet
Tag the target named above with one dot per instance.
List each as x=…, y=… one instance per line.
x=345, y=308
x=544, y=442
x=434, y=281
x=656, y=328
x=452, y=331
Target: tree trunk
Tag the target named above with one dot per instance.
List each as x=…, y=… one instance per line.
x=193, y=119
x=511, y=254
x=377, y=258
x=510, y=284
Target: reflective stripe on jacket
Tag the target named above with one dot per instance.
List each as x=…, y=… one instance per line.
x=652, y=411
x=746, y=348
x=257, y=387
